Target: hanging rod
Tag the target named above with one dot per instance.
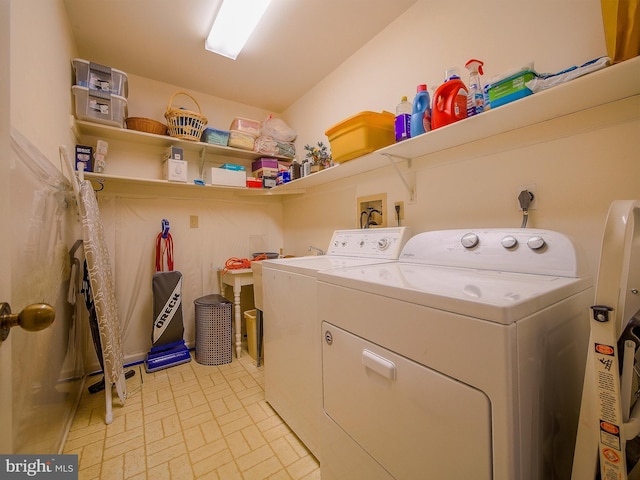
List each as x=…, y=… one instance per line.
x=395, y=166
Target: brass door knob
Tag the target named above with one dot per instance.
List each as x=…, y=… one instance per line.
x=32, y=318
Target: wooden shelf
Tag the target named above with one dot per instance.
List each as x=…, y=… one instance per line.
x=604, y=86
x=90, y=129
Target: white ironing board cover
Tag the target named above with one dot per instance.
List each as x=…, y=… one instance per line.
x=100, y=276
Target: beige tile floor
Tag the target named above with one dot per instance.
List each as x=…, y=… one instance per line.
x=190, y=421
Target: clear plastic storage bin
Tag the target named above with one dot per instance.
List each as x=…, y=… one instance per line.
x=246, y=125
x=100, y=77
x=99, y=107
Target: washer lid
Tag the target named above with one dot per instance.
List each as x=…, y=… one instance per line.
x=312, y=264
x=502, y=297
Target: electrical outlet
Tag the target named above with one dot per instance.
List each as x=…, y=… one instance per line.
x=193, y=221
x=399, y=210
x=531, y=188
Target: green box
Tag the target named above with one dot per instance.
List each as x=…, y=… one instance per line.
x=510, y=89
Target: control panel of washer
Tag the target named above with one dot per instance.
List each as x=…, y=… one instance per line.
x=512, y=250
x=509, y=241
x=385, y=243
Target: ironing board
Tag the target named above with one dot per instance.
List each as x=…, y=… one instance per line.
x=100, y=276
x=607, y=443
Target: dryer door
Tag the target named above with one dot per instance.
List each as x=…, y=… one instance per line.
x=410, y=419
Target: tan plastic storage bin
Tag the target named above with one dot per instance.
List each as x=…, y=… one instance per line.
x=252, y=348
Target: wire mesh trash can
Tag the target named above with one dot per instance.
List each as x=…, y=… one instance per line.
x=213, y=330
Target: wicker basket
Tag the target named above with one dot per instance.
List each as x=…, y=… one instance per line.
x=146, y=125
x=184, y=123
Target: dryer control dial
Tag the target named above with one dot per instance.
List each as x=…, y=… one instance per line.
x=383, y=243
x=509, y=241
x=469, y=240
x=536, y=243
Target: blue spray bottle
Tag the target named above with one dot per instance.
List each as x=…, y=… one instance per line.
x=421, y=116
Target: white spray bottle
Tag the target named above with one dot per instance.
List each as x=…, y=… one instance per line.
x=475, y=97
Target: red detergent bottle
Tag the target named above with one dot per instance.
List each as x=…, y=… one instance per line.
x=449, y=101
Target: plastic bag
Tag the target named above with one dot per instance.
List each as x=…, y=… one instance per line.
x=278, y=129
x=548, y=80
x=271, y=146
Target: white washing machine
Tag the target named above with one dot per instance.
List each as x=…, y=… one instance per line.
x=292, y=350
x=463, y=360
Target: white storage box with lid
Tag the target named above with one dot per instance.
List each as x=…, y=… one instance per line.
x=100, y=77
x=226, y=177
x=100, y=107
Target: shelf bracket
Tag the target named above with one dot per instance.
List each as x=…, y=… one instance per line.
x=391, y=158
x=202, y=155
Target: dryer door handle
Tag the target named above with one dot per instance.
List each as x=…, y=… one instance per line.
x=379, y=364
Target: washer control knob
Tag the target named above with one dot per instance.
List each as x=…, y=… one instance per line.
x=383, y=243
x=536, y=243
x=469, y=240
x=509, y=241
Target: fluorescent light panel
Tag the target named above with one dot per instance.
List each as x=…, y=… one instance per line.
x=233, y=26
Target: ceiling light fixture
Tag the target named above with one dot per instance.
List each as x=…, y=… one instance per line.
x=233, y=26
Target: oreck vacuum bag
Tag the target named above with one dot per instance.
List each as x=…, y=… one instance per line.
x=168, y=347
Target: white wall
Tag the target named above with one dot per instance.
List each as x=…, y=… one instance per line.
x=41, y=74
x=579, y=164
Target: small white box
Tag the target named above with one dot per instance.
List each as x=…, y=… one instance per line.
x=229, y=178
x=175, y=170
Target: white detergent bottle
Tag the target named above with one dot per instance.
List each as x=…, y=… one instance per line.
x=475, y=95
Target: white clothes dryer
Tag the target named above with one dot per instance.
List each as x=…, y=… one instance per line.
x=292, y=350
x=463, y=360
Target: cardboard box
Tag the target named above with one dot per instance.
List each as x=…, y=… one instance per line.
x=232, y=166
x=253, y=182
x=269, y=182
x=84, y=158
x=264, y=163
x=177, y=153
x=361, y=134
x=265, y=172
x=175, y=170
x=510, y=89
x=226, y=177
